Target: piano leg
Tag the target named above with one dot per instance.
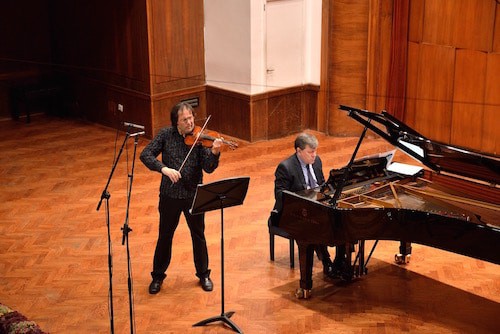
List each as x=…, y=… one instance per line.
x=360, y=269
x=404, y=253
x=347, y=271
x=306, y=258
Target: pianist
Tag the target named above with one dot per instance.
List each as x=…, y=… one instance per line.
x=304, y=170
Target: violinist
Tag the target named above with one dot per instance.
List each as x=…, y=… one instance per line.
x=181, y=167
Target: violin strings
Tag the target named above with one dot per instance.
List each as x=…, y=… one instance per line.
x=197, y=137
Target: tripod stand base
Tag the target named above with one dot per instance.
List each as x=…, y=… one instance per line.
x=224, y=317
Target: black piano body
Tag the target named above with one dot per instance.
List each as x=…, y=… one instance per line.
x=372, y=203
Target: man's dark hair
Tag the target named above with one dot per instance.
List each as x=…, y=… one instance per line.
x=174, y=114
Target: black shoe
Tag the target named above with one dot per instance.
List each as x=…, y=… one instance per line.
x=337, y=269
x=155, y=286
x=206, y=284
x=343, y=270
x=331, y=271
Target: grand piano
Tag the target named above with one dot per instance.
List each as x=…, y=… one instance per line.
x=453, y=204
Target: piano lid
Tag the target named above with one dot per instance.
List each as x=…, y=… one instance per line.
x=437, y=156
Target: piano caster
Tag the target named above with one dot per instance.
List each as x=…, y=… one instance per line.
x=358, y=271
x=302, y=293
x=363, y=271
x=402, y=259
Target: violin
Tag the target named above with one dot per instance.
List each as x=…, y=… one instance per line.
x=206, y=138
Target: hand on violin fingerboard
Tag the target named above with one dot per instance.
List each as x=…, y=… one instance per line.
x=172, y=174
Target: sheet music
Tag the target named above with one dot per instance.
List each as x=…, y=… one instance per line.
x=404, y=169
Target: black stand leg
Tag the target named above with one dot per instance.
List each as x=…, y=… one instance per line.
x=126, y=230
x=224, y=316
x=106, y=196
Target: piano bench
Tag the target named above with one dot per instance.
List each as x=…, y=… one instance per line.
x=274, y=230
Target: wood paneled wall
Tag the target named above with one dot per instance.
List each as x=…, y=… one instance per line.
x=230, y=112
x=106, y=41
x=162, y=105
x=379, y=67
x=144, y=54
x=356, y=47
x=490, y=141
x=287, y=110
x=25, y=48
x=451, y=72
x=453, y=76
x=176, y=44
x=176, y=50
x=148, y=54
x=433, y=90
x=347, y=61
x=103, y=47
x=263, y=116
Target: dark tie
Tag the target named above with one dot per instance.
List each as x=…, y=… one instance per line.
x=311, y=183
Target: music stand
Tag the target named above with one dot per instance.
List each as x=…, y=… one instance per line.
x=213, y=196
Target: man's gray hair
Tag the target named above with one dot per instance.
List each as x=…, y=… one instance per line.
x=304, y=139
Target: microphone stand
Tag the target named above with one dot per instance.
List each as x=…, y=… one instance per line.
x=105, y=196
x=126, y=231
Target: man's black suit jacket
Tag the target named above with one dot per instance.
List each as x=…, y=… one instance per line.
x=289, y=176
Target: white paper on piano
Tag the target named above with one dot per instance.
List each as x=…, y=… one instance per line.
x=404, y=169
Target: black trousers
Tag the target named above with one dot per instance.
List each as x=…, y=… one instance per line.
x=324, y=255
x=170, y=210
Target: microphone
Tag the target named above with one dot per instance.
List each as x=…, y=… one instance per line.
x=137, y=134
x=132, y=125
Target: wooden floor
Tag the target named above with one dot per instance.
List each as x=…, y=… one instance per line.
x=54, y=249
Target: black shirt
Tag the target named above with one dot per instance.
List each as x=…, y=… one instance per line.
x=173, y=151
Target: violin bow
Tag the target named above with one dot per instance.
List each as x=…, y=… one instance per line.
x=195, y=141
